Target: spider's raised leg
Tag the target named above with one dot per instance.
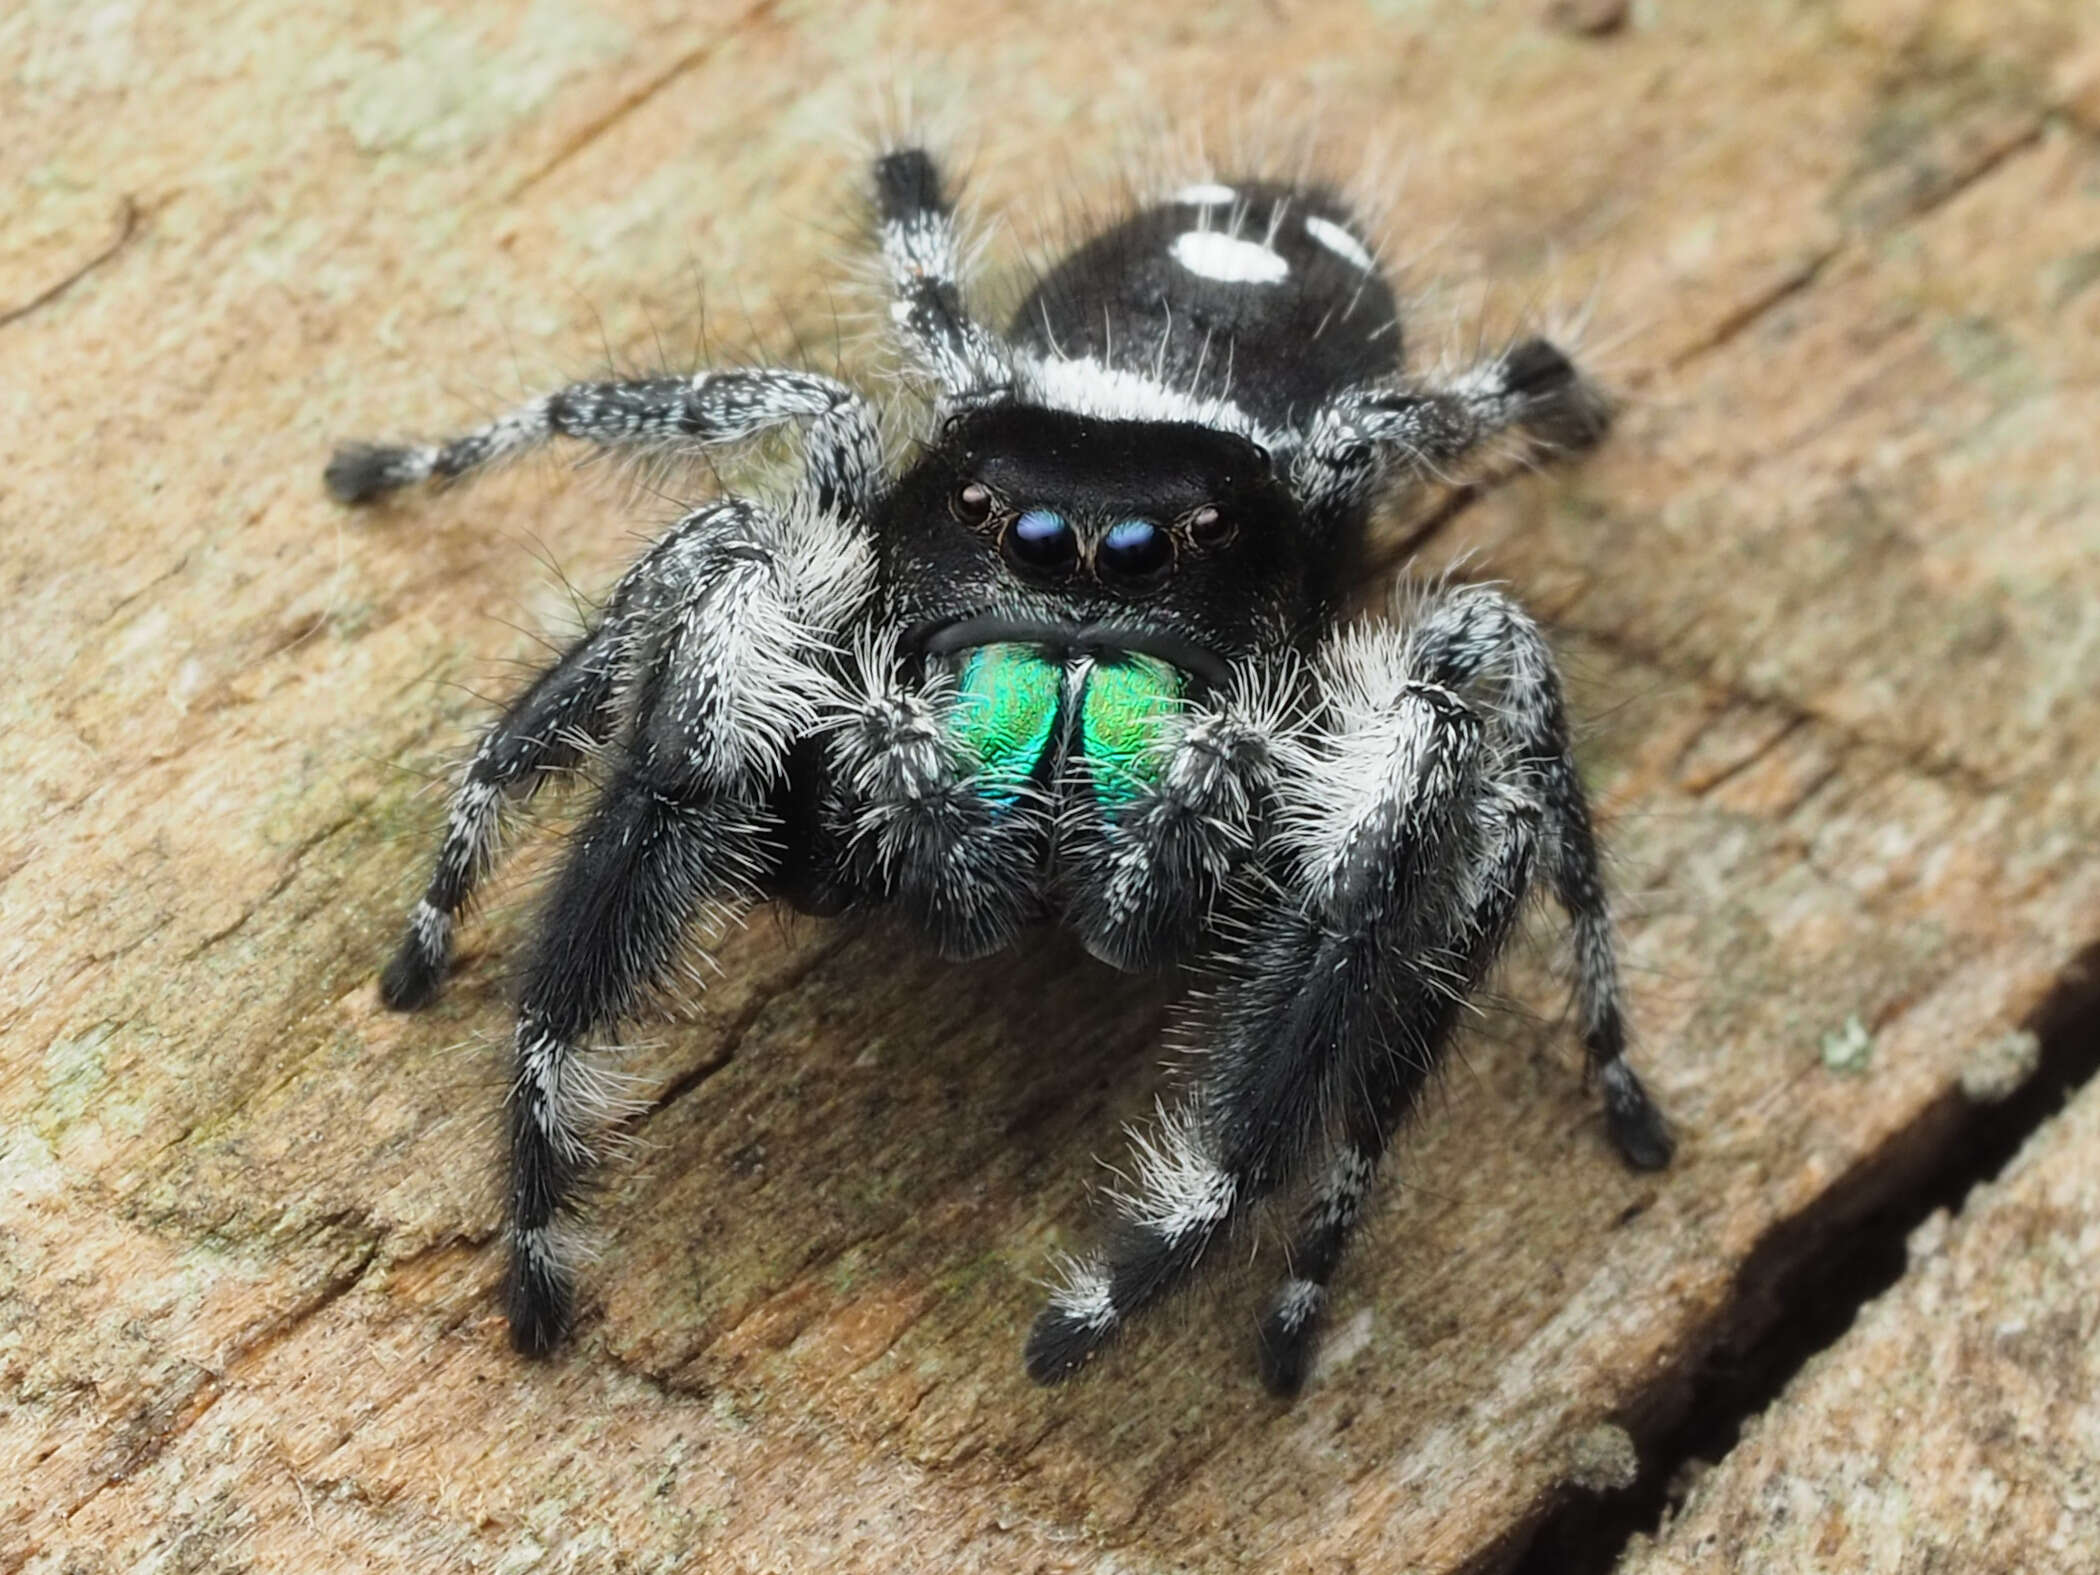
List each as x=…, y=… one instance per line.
x=842, y=456
x=1531, y=388
x=1381, y=826
x=925, y=267
x=729, y=670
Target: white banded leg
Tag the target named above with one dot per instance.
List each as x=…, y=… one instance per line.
x=842, y=455
x=920, y=251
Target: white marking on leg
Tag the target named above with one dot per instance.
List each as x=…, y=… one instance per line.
x=1206, y=194
x=432, y=927
x=1298, y=1304
x=1181, y=1190
x=1084, y=1299
x=1344, y=1187
x=1340, y=242
x=1228, y=259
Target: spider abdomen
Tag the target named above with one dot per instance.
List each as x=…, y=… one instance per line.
x=1260, y=295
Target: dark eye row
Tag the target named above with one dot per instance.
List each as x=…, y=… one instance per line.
x=1135, y=554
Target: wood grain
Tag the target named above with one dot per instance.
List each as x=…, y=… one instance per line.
x=1828, y=600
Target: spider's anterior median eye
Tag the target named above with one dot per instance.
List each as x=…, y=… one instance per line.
x=1041, y=540
x=1135, y=553
x=972, y=503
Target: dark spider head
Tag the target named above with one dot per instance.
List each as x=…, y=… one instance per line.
x=1167, y=527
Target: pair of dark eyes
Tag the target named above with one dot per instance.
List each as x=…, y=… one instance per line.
x=1133, y=553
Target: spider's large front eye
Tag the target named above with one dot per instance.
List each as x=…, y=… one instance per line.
x=1135, y=554
x=1042, y=541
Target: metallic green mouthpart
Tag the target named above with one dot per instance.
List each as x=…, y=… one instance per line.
x=1006, y=707
x=1124, y=724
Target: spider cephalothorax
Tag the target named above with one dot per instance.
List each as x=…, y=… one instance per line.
x=1081, y=661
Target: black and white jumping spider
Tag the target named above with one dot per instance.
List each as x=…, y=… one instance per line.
x=1081, y=657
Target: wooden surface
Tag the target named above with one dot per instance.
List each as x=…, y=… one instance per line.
x=1957, y=1426
x=1829, y=603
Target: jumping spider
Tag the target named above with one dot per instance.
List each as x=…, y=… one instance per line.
x=1081, y=657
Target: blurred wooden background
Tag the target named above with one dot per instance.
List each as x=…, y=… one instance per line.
x=1829, y=600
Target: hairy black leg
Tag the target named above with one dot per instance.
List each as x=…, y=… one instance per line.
x=1414, y=1039
x=920, y=249
x=842, y=457
x=1379, y=826
x=567, y=709
x=1531, y=388
x=656, y=851
x=740, y=610
x=1475, y=636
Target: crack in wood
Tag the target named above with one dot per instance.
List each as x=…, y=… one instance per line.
x=641, y=97
x=127, y=227
x=1799, y=1291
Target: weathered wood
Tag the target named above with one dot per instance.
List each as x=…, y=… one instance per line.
x=1828, y=598
x=1957, y=1426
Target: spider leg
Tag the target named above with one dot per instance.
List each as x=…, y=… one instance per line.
x=842, y=452
x=1378, y=831
x=566, y=710
x=1419, y=1034
x=1475, y=637
x=919, y=247
x=729, y=671
x=1531, y=388
x=1476, y=641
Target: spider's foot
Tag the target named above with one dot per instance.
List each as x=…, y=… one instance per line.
x=1286, y=1343
x=416, y=973
x=536, y=1298
x=1637, y=1128
x=361, y=472
x=1067, y=1333
x=1562, y=409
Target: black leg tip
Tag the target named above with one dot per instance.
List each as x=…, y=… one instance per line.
x=361, y=472
x=1637, y=1128
x=412, y=978
x=1565, y=411
x=1059, y=1345
x=907, y=182
x=536, y=1301
x=1284, y=1356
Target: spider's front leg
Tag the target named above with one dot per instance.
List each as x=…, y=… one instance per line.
x=1371, y=874
x=728, y=672
x=1410, y=828
x=706, y=410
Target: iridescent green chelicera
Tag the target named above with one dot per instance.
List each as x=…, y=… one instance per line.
x=1007, y=699
x=1125, y=713
x=1006, y=706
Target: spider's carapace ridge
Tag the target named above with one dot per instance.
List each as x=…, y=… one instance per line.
x=1079, y=659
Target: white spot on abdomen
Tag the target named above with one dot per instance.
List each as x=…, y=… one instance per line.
x=1339, y=241
x=1206, y=194
x=1228, y=259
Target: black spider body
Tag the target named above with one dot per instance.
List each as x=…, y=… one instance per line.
x=1080, y=661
